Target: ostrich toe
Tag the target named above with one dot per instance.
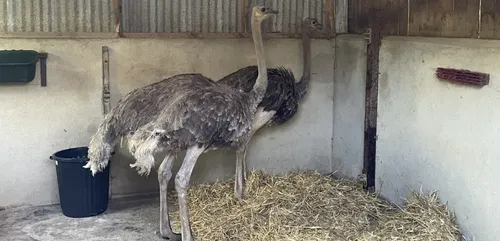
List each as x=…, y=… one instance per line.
x=171, y=236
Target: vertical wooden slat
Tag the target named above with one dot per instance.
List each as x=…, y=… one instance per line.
x=466, y=18
x=433, y=18
x=358, y=20
x=490, y=19
x=445, y=18
x=245, y=16
x=395, y=13
x=341, y=15
x=352, y=16
x=353, y=13
x=329, y=16
x=118, y=16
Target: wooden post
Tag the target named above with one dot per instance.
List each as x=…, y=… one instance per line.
x=105, y=80
x=371, y=96
x=118, y=17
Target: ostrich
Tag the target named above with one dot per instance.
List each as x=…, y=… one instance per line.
x=191, y=113
x=281, y=100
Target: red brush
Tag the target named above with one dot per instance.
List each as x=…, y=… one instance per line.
x=463, y=76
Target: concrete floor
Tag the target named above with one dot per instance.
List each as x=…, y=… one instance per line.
x=125, y=219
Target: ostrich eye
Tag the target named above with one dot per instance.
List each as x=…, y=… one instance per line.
x=262, y=9
x=314, y=22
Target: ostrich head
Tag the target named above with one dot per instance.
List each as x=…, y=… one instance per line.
x=312, y=23
x=260, y=13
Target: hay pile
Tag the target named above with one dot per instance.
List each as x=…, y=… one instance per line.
x=311, y=206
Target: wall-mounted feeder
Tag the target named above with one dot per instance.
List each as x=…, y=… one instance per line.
x=19, y=66
x=463, y=76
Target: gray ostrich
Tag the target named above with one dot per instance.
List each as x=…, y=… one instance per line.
x=191, y=113
x=281, y=101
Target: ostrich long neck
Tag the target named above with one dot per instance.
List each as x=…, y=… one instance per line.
x=261, y=83
x=303, y=85
x=306, y=49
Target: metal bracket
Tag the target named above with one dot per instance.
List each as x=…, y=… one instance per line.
x=106, y=95
x=368, y=35
x=43, y=68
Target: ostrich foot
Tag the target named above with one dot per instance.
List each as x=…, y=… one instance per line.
x=170, y=236
x=239, y=196
x=238, y=191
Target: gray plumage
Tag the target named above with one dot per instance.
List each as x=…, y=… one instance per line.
x=184, y=112
x=281, y=101
x=198, y=112
x=281, y=94
x=136, y=109
x=284, y=92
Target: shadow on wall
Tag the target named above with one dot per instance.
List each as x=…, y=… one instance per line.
x=349, y=106
x=438, y=135
x=417, y=178
x=125, y=180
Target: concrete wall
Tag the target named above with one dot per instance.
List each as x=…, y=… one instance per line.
x=349, y=106
x=36, y=122
x=432, y=135
x=439, y=135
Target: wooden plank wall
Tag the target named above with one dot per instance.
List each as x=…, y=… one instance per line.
x=436, y=18
x=490, y=19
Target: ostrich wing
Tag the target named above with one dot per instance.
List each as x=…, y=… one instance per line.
x=144, y=104
x=281, y=85
x=200, y=114
x=242, y=79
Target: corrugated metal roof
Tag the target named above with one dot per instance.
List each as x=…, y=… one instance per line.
x=212, y=16
x=56, y=16
x=151, y=16
x=178, y=16
x=291, y=12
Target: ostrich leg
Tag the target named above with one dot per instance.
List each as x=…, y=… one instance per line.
x=164, y=176
x=240, y=170
x=260, y=119
x=182, y=184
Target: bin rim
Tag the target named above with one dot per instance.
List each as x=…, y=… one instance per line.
x=55, y=156
x=22, y=63
x=84, y=159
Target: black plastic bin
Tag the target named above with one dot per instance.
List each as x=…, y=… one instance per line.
x=80, y=193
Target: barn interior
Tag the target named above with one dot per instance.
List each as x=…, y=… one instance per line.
x=379, y=111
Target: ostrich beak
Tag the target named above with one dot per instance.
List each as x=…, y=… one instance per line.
x=272, y=11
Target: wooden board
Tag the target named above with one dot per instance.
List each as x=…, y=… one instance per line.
x=490, y=19
x=358, y=15
x=433, y=18
x=394, y=12
x=395, y=17
x=444, y=18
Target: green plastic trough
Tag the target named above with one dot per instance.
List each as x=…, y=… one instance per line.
x=17, y=66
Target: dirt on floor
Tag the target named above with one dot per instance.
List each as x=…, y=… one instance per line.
x=125, y=219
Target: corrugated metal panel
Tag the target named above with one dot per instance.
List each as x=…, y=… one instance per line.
x=151, y=16
x=291, y=13
x=178, y=16
x=56, y=16
x=212, y=16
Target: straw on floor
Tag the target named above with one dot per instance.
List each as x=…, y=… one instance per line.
x=310, y=206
